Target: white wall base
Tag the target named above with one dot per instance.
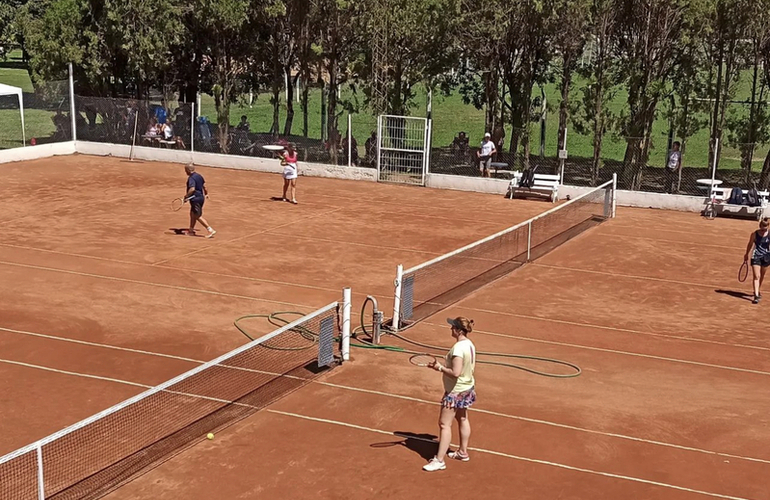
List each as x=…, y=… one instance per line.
x=36, y=152
x=268, y=165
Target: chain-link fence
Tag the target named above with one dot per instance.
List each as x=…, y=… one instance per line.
x=131, y=121
x=46, y=115
x=660, y=166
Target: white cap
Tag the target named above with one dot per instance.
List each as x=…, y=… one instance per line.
x=487, y=135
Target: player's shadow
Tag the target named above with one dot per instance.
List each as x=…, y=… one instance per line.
x=424, y=445
x=737, y=295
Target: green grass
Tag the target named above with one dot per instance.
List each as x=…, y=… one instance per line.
x=38, y=122
x=450, y=115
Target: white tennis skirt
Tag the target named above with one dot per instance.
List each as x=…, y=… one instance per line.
x=290, y=171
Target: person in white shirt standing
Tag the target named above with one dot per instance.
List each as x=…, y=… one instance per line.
x=672, y=167
x=459, y=394
x=484, y=154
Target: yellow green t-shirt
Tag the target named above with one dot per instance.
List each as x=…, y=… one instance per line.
x=467, y=351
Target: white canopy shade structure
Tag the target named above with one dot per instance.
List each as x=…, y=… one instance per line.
x=10, y=90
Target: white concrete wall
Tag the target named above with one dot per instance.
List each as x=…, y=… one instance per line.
x=624, y=198
x=224, y=161
x=36, y=152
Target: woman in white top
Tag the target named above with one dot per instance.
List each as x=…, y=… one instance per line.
x=459, y=394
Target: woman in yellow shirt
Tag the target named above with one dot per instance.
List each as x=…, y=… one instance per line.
x=459, y=394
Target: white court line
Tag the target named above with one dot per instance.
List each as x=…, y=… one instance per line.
x=615, y=236
x=479, y=450
x=185, y=270
x=627, y=276
x=160, y=285
x=626, y=353
x=226, y=242
x=514, y=457
x=476, y=409
x=610, y=328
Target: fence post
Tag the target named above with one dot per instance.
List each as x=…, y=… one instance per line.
x=40, y=477
x=192, y=129
x=350, y=139
x=346, y=306
x=397, y=301
x=562, y=161
x=614, y=192
x=72, y=104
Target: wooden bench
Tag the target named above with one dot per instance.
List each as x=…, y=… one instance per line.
x=542, y=184
x=719, y=204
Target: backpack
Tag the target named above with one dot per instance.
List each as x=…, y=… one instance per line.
x=752, y=198
x=736, y=196
x=528, y=178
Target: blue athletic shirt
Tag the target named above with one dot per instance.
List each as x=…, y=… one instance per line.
x=196, y=180
x=761, y=245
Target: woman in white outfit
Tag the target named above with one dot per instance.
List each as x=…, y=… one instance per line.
x=289, y=163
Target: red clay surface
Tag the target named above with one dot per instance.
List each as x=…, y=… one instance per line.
x=672, y=402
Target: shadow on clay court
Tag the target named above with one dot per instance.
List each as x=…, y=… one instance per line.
x=424, y=445
x=737, y=295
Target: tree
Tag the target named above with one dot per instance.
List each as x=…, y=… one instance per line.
x=229, y=27
x=725, y=46
x=147, y=37
x=65, y=31
x=569, y=23
x=649, y=36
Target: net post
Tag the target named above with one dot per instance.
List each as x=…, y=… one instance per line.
x=346, y=307
x=72, y=104
x=529, y=240
x=614, y=192
x=397, y=299
x=40, y=477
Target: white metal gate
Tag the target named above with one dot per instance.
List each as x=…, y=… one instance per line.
x=403, y=151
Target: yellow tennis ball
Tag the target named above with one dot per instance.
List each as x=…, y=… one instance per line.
x=210, y=435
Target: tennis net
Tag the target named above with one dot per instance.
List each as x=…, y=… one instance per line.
x=426, y=289
x=98, y=454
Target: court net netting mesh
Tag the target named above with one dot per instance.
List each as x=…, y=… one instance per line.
x=426, y=289
x=98, y=454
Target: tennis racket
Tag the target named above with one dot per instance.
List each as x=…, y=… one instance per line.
x=178, y=203
x=423, y=360
x=743, y=273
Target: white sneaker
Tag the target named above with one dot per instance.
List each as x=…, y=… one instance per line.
x=434, y=465
x=211, y=234
x=455, y=455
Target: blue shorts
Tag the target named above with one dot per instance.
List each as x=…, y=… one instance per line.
x=196, y=208
x=763, y=260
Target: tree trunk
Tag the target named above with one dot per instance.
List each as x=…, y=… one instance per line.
x=491, y=93
x=764, y=178
x=566, y=82
x=305, y=111
x=715, y=131
x=596, y=163
x=333, y=133
x=289, y=102
x=276, y=99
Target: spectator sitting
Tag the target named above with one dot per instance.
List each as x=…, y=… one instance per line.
x=370, y=149
x=161, y=113
x=353, y=150
x=243, y=126
x=460, y=144
x=167, y=130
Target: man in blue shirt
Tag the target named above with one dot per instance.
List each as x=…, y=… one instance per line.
x=196, y=194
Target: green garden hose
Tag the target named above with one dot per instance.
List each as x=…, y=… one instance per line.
x=310, y=339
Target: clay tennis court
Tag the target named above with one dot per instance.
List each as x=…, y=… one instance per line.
x=101, y=301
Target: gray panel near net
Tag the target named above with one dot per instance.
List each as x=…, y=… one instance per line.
x=326, y=342
x=407, y=298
